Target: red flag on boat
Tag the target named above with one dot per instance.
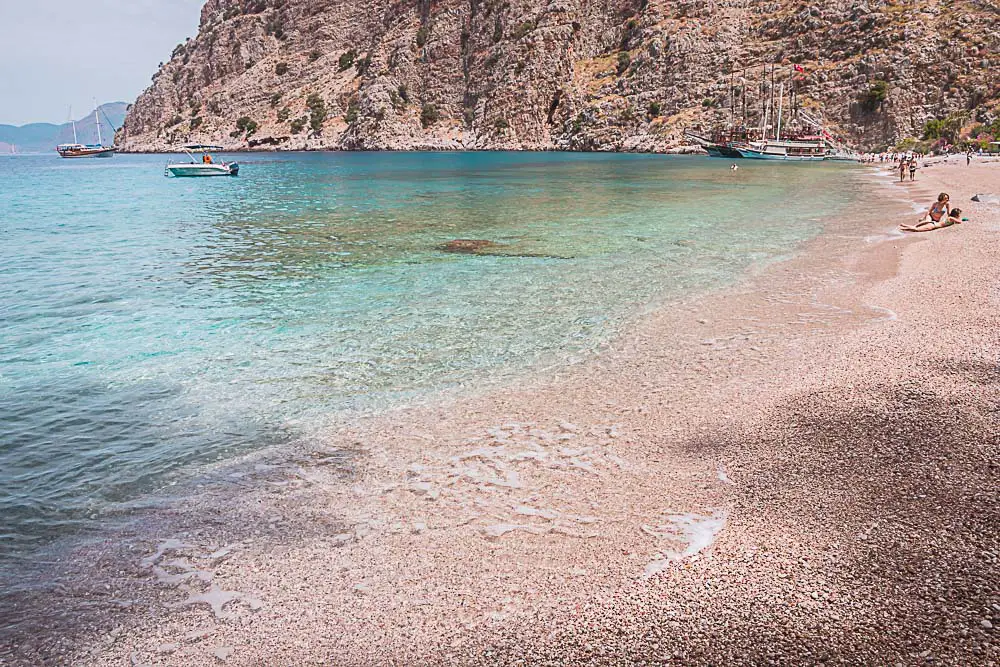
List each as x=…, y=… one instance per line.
x=799, y=68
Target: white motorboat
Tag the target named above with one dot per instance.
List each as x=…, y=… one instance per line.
x=204, y=167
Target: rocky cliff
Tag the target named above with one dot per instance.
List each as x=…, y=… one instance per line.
x=562, y=74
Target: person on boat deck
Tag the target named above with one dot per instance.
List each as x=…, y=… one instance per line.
x=207, y=159
x=954, y=218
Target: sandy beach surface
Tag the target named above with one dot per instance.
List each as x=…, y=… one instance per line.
x=799, y=469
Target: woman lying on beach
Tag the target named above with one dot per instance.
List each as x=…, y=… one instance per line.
x=954, y=218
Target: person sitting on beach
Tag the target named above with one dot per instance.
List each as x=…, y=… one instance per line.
x=938, y=209
x=954, y=218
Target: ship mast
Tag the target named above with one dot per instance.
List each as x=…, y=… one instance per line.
x=770, y=107
x=75, y=141
x=97, y=119
x=781, y=99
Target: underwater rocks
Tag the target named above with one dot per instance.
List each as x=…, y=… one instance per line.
x=469, y=246
x=485, y=248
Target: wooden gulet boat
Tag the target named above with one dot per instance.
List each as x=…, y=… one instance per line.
x=78, y=150
x=761, y=144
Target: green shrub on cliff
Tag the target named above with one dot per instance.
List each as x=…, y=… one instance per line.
x=429, y=115
x=298, y=125
x=948, y=128
x=245, y=126
x=873, y=99
x=346, y=60
x=654, y=109
x=522, y=29
x=317, y=112
x=624, y=60
x=281, y=69
x=275, y=26
x=352, y=112
x=911, y=144
x=363, y=64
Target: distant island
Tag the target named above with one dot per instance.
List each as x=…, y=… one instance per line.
x=44, y=137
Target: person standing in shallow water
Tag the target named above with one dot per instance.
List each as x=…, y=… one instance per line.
x=913, y=167
x=902, y=170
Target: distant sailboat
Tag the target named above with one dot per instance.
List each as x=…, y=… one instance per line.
x=78, y=150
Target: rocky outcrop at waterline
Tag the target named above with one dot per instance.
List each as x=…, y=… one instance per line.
x=623, y=75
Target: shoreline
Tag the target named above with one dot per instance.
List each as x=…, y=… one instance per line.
x=676, y=150
x=568, y=489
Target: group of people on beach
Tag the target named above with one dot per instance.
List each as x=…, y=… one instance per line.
x=939, y=215
x=907, y=164
x=888, y=157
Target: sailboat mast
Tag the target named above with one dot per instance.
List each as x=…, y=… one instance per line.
x=743, y=88
x=97, y=120
x=781, y=99
x=75, y=141
x=732, y=98
x=762, y=89
x=770, y=106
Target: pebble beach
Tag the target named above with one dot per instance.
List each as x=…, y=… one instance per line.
x=798, y=469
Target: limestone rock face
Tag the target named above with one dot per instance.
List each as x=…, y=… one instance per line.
x=623, y=75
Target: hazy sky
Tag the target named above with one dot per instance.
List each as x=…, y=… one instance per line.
x=57, y=53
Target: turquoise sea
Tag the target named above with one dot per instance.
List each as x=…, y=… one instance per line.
x=151, y=325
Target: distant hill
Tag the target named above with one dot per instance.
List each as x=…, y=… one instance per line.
x=43, y=137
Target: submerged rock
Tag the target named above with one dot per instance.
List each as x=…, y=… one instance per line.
x=486, y=248
x=469, y=246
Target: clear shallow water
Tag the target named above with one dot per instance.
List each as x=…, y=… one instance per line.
x=149, y=324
